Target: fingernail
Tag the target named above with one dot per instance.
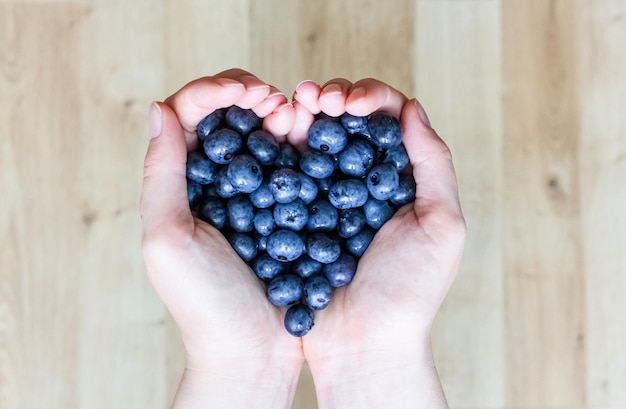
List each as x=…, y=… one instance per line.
x=358, y=93
x=331, y=89
x=288, y=104
x=156, y=120
x=227, y=82
x=302, y=82
x=422, y=113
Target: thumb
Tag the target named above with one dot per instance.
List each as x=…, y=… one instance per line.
x=164, y=204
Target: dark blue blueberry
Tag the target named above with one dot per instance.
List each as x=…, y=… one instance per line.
x=305, y=267
x=323, y=185
x=213, y=211
x=323, y=248
x=263, y=146
x=285, y=185
x=210, y=190
x=243, y=245
x=405, y=193
x=322, y=216
x=292, y=215
x=342, y=271
x=385, y=130
x=200, y=169
x=223, y=187
x=348, y=194
x=308, y=189
x=262, y=198
x=397, y=156
x=194, y=193
x=354, y=124
x=328, y=136
x=317, y=165
x=358, y=243
x=299, y=320
x=210, y=123
x=288, y=157
x=245, y=173
x=264, y=222
x=377, y=212
x=350, y=222
x=318, y=291
x=382, y=180
x=284, y=290
x=242, y=120
x=240, y=214
x=357, y=158
x=261, y=241
x=266, y=267
x=285, y=245
x=222, y=146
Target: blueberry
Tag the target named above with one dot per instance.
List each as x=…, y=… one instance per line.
x=264, y=222
x=222, y=146
x=213, y=211
x=292, y=215
x=210, y=123
x=261, y=241
x=385, y=130
x=323, y=185
x=242, y=120
x=382, y=180
x=358, y=243
x=284, y=245
x=322, y=216
x=240, y=214
x=243, y=245
x=200, y=169
x=317, y=292
x=262, y=198
x=266, y=267
x=308, y=189
x=317, y=165
x=285, y=185
x=350, y=222
x=288, y=157
x=322, y=248
x=245, y=173
x=398, y=157
x=210, y=190
x=327, y=136
x=377, y=212
x=194, y=193
x=357, y=158
x=299, y=320
x=305, y=267
x=354, y=124
x=223, y=187
x=405, y=193
x=348, y=194
x=342, y=271
x=263, y=146
x=284, y=290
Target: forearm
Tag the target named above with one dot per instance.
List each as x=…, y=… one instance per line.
x=267, y=389
x=374, y=379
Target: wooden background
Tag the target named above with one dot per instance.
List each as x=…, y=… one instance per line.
x=529, y=94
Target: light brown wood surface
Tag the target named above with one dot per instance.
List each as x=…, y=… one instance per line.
x=530, y=96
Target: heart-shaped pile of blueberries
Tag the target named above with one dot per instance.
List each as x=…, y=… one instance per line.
x=300, y=220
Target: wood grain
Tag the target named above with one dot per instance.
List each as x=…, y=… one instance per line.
x=530, y=97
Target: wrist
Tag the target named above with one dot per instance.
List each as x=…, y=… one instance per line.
x=398, y=376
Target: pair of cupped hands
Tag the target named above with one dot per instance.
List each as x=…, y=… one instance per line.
x=378, y=326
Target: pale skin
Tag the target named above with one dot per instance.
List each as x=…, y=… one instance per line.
x=371, y=346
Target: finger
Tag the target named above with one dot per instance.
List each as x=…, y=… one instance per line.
x=303, y=120
x=256, y=90
x=371, y=95
x=280, y=122
x=164, y=197
x=199, y=98
x=307, y=94
x=435, y=178
x=271, y=103
x=332, y=100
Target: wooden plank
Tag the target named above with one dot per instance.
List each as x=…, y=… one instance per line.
x=602, y=171
x=457, y=74
x=542, y=238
